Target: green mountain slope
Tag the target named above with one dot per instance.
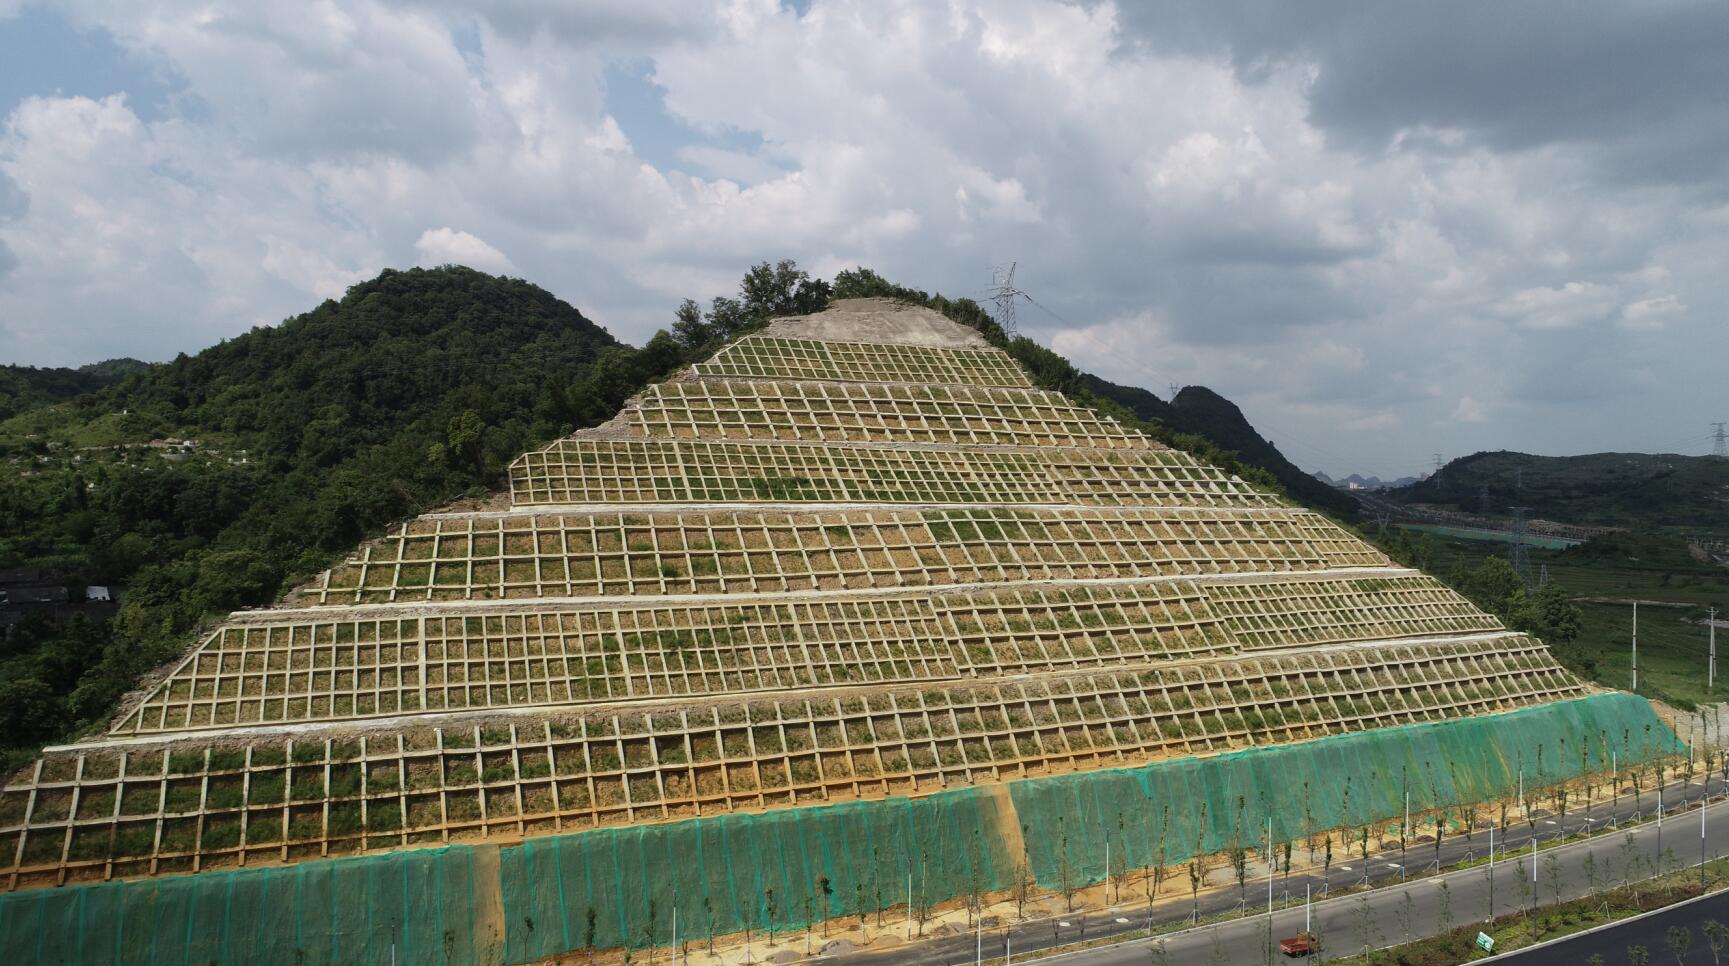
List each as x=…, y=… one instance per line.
x=23, y=388
x=413, y=389
x=1639, y=490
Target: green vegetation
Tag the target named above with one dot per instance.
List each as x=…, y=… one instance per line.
x=1617, y=565
x=414, y=389
x=23, y=388
x=1672, y=652
x=1641, y=491
x=1592, y=637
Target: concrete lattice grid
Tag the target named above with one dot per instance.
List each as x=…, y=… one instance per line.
x=857, y=555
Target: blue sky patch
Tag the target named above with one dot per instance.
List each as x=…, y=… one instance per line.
x=658, y=136
x=46, y=56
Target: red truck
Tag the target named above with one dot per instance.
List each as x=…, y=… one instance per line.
x=1302, y=944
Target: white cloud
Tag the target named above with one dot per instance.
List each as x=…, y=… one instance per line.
x=1559, y=307
x=1190, y=218
x=1470, y=410
x=447, y=246
x=1651, y=313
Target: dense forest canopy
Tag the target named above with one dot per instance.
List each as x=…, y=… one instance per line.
x=27, y=387
x=414, y=389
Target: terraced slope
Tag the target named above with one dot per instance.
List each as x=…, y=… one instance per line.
x=807, y=571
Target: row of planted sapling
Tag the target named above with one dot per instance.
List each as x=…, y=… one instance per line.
x=1172, y=858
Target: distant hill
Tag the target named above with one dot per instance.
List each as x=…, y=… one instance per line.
x=1199, y=410
x=1361, y=482
x=414, y=388
x=1678, y=493
x=23, y=388
x=351, y=373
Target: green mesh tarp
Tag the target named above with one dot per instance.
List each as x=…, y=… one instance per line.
x=437, y=906
x=718, y=872
x=1172, y=810
x=482, y=904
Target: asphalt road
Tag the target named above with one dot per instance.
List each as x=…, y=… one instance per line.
x=1378, y=917
x=1650, y=930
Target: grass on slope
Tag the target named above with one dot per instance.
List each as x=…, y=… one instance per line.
x=1672, y=652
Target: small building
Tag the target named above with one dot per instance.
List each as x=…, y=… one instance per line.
x=98, y=594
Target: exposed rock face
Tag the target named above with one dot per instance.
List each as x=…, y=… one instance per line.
x=879, y=321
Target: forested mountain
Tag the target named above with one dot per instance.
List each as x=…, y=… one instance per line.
x=1687, y=494
x=413, y=389
x=215, y=481
x=24, y=388
x=1203, y=412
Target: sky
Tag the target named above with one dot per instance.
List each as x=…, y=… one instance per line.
x=1385, y=230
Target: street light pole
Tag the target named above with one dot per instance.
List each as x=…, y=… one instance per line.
x=1404, y=833
x=1635, y=647
x=1711, y=665
x=1269, y=888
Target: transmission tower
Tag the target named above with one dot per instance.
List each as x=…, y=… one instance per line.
x=1520, y=553
x=1003, y=293
x=1439, y=465
x=1720, y=441
x=1543, y=576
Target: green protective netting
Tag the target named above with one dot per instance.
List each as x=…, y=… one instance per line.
x=1169, y=811
x=436, y=906
x=484, y=904
x=717, y=872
